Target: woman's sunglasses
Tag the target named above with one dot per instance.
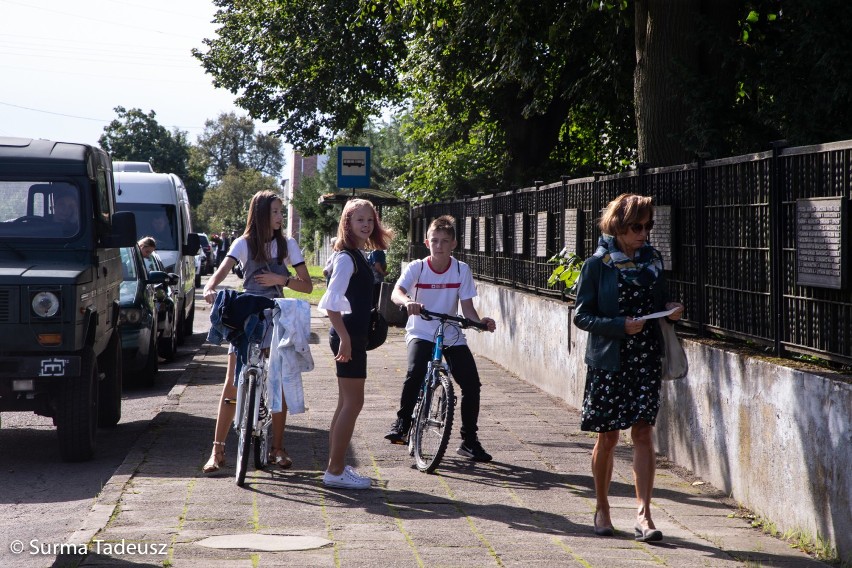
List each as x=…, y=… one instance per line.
x=637, y=227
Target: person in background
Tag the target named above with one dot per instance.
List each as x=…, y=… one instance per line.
x=619, y=284
x=347, y=303
x=147, y=245
x=66, y=208
x=378, y=262
x=264, y=252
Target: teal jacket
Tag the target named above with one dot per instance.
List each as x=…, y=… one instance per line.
x=596, y=311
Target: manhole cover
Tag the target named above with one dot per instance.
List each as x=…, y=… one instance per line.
x=264, y=542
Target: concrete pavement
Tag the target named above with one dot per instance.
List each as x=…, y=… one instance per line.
x=531, y=506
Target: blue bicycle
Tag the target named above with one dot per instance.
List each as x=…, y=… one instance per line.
x=432, y=420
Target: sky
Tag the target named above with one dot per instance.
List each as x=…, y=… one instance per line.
x=66, y=64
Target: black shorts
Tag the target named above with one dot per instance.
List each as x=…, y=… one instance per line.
x=356, y=367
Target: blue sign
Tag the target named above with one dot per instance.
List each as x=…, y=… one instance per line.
x=353, y=167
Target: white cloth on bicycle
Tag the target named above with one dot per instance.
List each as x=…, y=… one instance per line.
x=289, y=354
x=439, y=292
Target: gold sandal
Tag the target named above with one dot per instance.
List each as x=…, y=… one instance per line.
x=217, y=458
x=279, y=457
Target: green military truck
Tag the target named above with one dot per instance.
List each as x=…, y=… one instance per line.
x=60, y=274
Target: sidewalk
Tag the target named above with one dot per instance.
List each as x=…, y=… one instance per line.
x=531, y=506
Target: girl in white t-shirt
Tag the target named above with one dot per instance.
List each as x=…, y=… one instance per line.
x=264, y=253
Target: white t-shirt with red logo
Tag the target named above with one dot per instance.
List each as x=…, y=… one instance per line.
x=439, y=292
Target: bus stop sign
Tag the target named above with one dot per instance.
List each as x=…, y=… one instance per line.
x=353, y=166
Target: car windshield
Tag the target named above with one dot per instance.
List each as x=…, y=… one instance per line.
x=154, y=220
x=39, y=210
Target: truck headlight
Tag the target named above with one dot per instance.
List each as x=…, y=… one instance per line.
x=45, y=304
x=129, y=315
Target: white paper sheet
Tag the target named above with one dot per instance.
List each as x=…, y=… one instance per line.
x=657, y=315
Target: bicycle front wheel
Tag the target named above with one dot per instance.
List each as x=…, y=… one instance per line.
x=263, y=436
x=246, y=427
x=434, y=423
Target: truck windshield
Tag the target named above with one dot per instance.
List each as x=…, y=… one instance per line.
x=39, y=209
x=154, y=220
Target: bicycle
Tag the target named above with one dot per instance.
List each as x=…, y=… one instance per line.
x=252, y=419
x=432, y=419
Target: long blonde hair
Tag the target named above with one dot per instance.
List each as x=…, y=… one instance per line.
x=378, y=239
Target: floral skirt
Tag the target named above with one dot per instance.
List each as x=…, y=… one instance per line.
x=616, y=400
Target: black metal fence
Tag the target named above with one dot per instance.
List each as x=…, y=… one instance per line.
x=731, y=233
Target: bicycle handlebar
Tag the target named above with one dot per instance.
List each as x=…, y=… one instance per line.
x=463, y=322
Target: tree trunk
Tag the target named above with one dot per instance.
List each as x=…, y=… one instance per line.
x=665, y=40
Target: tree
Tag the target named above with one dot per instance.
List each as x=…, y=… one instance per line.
x=493, y=85
x=136, y=136
x=231, y=142
x=225, y=205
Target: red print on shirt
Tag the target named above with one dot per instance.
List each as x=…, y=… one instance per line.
x=438, y=286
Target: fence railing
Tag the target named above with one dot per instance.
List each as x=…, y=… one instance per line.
x=755, y=245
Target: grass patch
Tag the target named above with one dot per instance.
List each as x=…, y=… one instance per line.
x=319, y=287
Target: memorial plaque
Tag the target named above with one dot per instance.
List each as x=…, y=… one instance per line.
x=572, y=241
x=519, y=233
x=541, y=234
x=468, y=233
x=661, y=236
x=499, y=232
x=483, y=234
x=820, y=250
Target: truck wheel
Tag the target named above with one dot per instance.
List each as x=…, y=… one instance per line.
x=147, y=375
x=190, y=320
x=109, y=389
x=180, y=326
x=167, y=346
x=77, y=411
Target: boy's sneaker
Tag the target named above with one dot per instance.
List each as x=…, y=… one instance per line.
x=398, y=433
x=349, y=479
x=474, y=451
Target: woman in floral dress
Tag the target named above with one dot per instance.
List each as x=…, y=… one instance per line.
x=619, y=284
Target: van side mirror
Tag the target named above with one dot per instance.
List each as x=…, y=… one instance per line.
x=193, y=243
x=123, y=233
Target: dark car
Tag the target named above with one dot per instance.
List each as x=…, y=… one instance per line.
x=164, y=301
x=207, y=249
x=138, y=317
x=60, y=354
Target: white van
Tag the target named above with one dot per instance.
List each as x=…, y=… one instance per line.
x=161, y=206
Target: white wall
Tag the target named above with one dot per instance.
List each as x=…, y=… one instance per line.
x=777, y=439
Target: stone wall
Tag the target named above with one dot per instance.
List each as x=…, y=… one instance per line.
x=778, y=440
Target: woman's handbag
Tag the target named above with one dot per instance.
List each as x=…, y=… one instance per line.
x=377, y=333
x=675, y=364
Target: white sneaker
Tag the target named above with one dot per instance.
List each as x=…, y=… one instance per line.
x=351, y=470
x=346, y=480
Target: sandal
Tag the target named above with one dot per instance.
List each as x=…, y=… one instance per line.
x=217, y=458
x=279, y=457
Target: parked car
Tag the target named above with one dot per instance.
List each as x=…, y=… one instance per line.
x=161, y=206
x=207, y=249
x=59, y=288
x=138, y=317
x=164, y=301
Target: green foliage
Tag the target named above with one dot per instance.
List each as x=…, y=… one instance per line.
x=566, y=272
x=317, y=220
x=230, y=141
x=225, y=205
x=136, y=136
x=490, y=87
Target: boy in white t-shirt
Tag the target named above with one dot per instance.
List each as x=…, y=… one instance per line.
x=439, y=283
